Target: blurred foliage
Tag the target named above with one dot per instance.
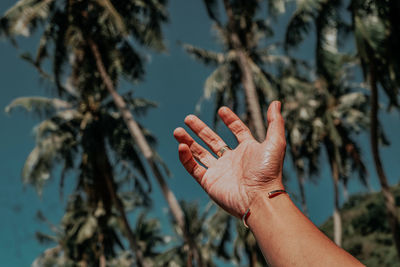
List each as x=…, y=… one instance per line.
x=366, y=231
x=82, y=132
x=255, y=32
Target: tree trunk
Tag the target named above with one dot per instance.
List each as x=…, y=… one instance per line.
x=143, y=145
x=345, y=192
x=103, y=262
x=189, y=262
x=300, y=179
x=253, y=104
x=251, y=256
x=104, y=168
x=337, y=220
x=387, y=194
x=253, y=262
x=128, y=231
x=102, y=258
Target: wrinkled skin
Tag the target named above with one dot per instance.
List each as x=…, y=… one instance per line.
x=240, y=175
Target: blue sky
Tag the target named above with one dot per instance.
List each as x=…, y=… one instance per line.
x=175, y=81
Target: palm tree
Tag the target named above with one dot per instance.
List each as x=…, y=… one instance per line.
x=375, y=28
x=341, y=109
x=246, y=244
x=300, y=103
x=314, y=122
x=88, y=129
x=210, y=232
x=239, y=68
x=98, y=32
x=239, y=47
x=376, y=31
x=80, y=239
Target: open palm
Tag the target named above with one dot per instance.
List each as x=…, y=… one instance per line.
x=239, y=175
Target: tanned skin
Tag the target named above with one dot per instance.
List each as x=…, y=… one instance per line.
x=241, y=179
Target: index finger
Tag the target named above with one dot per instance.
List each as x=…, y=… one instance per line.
x=235, y=124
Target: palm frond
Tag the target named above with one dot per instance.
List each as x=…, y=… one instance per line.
x=301, y=22
x=40, y=106
x=131, y=65
x=59, y=56
x=113, y=14
x=262, y=82
x=40, y=162
x=24, y=16
x=212, y=10
x=138, y=105
x=276, y=7
x=217, y=81
x=205, y=56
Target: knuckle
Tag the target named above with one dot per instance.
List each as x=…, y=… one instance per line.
x=186, y=162
x=238, y=128
x=214, y=143
x=208, y=137
x=203, y=132
x=192, y=169
x=282, y=142
x=279, y=141
x=241, y=131
x=197, y=151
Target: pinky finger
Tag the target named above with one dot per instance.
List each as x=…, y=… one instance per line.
x=190, y=164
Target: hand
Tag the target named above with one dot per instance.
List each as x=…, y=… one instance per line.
x=235, y=179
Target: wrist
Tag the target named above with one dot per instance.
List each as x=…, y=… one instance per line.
x=262, y=191
x=264, y=203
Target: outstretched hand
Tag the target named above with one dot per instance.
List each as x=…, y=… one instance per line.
x=235, y=179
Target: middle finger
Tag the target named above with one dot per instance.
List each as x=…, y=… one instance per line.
x=212, y=140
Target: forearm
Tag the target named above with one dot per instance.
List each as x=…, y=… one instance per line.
x=287, y=238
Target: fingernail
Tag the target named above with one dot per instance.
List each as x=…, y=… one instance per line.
x=278, y=106
x=222, y=110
